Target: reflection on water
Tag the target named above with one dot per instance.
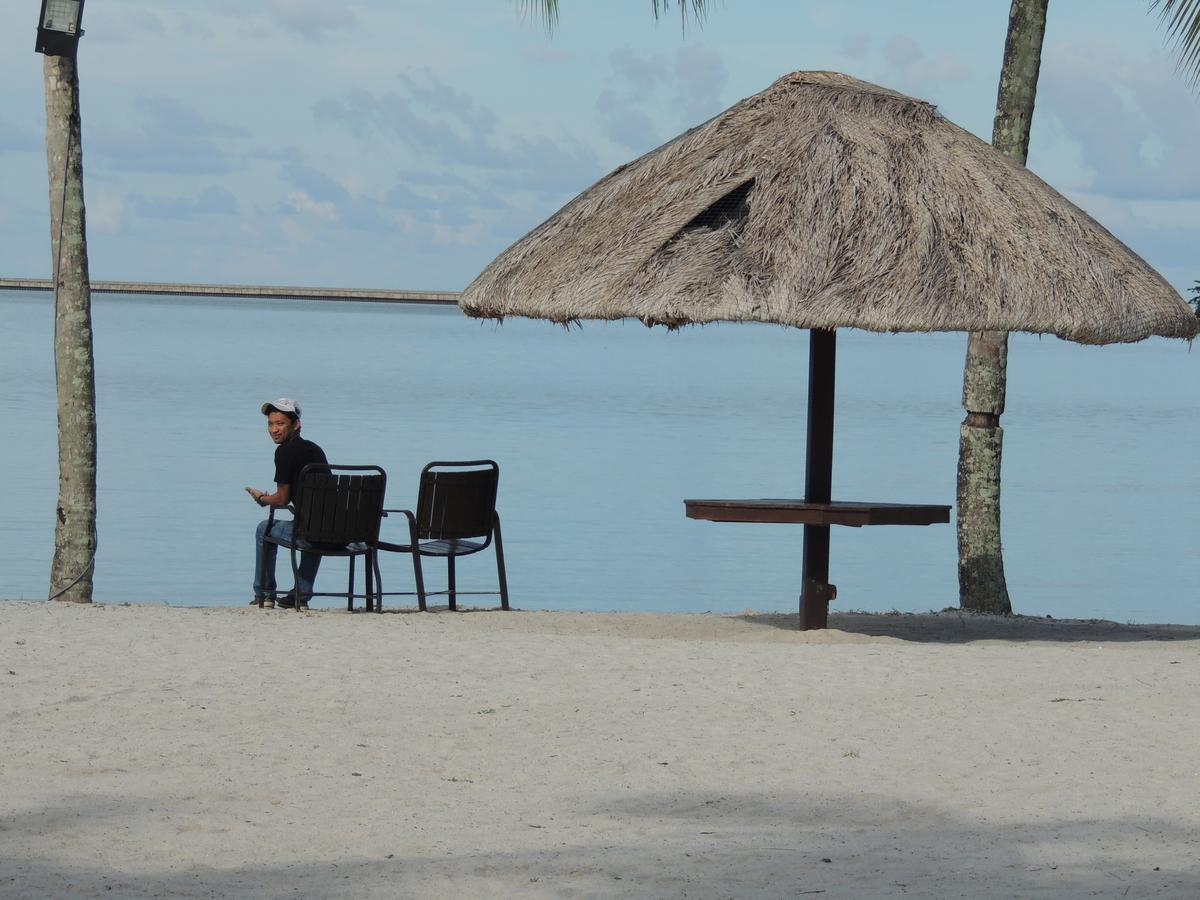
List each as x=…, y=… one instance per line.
x=601, y=432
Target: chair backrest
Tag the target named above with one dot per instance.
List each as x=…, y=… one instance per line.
x=340, y=504
x=457, y=499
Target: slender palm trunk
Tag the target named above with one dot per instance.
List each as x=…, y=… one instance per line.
x=75, y=520
x=981, y=583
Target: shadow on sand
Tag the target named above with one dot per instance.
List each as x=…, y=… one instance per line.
x=956, y=627
x=783, y=842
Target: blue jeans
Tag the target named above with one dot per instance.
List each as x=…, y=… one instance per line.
x=265, y=553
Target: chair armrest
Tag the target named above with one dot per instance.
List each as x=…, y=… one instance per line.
x=271, y=511
x=412, y=524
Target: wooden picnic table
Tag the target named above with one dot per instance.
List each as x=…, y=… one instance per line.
x=805, y=512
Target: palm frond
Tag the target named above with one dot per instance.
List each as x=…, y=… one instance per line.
x=1181, y=18
x=699, y=8
x=547, y=10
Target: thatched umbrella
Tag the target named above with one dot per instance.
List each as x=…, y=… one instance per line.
x=826, y=202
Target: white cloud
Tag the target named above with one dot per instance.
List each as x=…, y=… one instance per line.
x=1129, y=118
x=358, y=184
x=302, y=203
x=637, y=71
x=428, y=116
x=296, y=232
x=857, y=46
x=105, y=211
x=458, y=235
x=911, y=70
x=700, y=82
x=649, y=98
x=627, y=125
x=312, y=19
x=134, y=24
x=541, y=53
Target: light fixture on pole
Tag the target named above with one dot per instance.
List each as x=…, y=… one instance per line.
x=59, y=27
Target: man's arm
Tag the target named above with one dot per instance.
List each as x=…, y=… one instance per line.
x=281, y=496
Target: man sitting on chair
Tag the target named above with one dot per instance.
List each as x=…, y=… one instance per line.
x=292, y=454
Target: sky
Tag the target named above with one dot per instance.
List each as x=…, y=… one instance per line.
x=404, y=143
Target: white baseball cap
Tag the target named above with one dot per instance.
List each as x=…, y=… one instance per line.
x=283, y=404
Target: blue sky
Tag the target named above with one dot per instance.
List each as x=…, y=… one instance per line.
x=404, y=143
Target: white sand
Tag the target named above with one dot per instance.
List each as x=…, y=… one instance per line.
x=158, y=752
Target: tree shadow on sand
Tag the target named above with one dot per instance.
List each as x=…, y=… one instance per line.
x=776, y=842
x=956, y=627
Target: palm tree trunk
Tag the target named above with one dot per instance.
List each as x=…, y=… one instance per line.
x=981, y=583
x=74, y=365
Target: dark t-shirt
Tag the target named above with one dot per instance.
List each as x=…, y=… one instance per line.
x=290, y=458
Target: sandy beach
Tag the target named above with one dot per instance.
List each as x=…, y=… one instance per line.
x=230, y=752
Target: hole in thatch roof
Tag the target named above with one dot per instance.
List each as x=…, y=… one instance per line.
x=733, y=207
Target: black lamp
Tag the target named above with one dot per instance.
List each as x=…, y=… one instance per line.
x=58, y=27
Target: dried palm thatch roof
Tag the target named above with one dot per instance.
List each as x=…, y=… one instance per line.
x=828, y=202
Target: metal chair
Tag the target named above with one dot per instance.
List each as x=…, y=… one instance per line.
x=456, y=516
x=339, y=514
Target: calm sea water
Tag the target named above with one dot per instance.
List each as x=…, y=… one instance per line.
x=601, y=432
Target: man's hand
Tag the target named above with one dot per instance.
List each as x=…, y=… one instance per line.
x=256, y=494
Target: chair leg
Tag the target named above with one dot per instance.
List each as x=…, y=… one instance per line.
x=350, y=588
x=420, y=580
x=450, y=582
x=374, y=563
x=500, y=564
x=369, y=588
x=296, y=580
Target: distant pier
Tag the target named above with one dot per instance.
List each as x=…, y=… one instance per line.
x=258, y=291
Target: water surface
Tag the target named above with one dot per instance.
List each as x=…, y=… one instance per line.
x=601, y=432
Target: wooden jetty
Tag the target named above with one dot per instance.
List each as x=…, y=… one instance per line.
x=275, y=292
